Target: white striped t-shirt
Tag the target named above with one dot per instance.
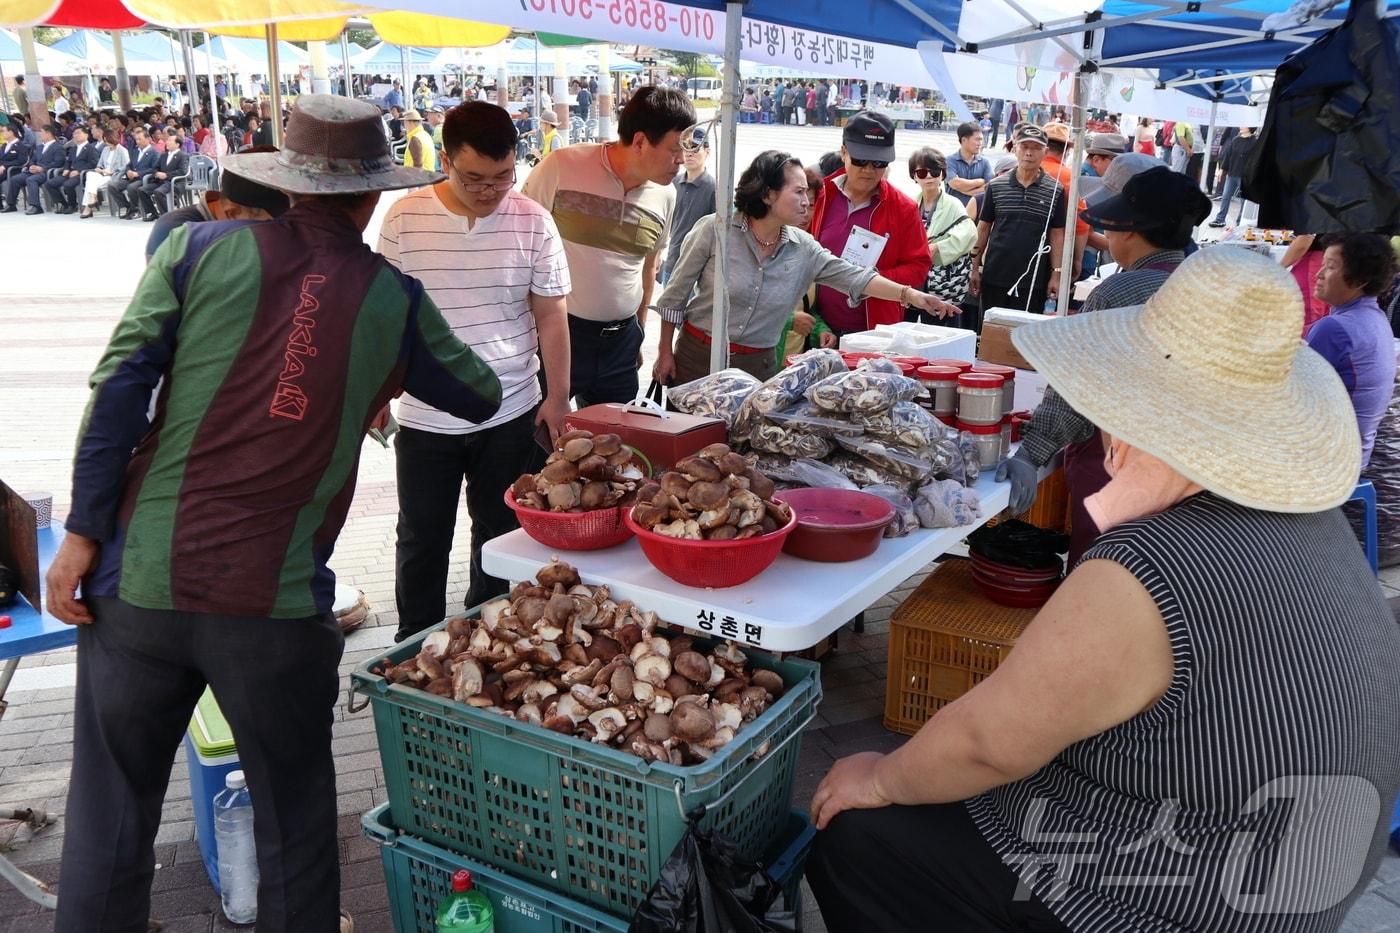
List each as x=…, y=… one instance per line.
x=481, y=279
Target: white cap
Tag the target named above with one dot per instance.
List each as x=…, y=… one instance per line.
x=235, y=781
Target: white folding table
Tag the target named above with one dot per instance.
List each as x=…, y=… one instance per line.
x=792, y=605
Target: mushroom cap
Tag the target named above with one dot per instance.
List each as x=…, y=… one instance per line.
x=693, y=666
x=692, y=722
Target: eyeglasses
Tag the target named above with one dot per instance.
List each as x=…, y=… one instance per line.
x=869, y=163
x=479, y=187
x=922, y=173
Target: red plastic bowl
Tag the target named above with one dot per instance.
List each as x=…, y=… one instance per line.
x=715, y=564
x=835, y=525
x=572, y=531
x=1019, y=599
x=1019, y=574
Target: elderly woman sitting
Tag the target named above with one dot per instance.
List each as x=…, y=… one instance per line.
x=1198, y=731
x=771, y=261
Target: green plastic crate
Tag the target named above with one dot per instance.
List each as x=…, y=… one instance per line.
x=418, y=877
x=569, y=815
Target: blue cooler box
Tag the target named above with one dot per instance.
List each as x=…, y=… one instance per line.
x=211, y=755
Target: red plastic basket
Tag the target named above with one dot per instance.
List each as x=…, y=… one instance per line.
x=715, y=564
x=572, y=531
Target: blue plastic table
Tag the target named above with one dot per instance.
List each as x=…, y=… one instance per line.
x=31, y=631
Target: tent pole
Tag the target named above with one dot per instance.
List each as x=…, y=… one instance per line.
x=191, y=73
x=538, y=109
x=349, y=83
x=1077, y=120
x=4, y=94
x=38, y=105
x=724, y=183
x=1210, y=133
x=320, y=68
x=603, y=106
x=123, y=79
x=213, y=92
x=274, y=84
x=561, y=90
x=407, y=84
x=502, y=78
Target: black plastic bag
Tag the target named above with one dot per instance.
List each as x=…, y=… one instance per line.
x=1018, y=544
x=708, y=886
x=1325, y=161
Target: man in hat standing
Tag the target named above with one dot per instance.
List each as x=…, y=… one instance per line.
x=419, y=151
x=695, y=197
x=1148, y=213
x=859, y=205
x=200, y=538
x=1020, y=231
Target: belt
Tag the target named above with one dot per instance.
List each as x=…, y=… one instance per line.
x=704, y=338
x=602, y=328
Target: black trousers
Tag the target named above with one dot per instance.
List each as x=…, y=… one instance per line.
x=155, y=195
x=916, y=869
x=116, y=188
x=430, y=469
x=140, y=672
x=69, y=190
x=603, y=360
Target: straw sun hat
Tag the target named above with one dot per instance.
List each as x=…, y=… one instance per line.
x=1211, y=378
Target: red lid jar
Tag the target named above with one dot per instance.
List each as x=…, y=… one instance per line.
x=961, y=366
x=942, y=385
x=1008, y=385
x=980, y=398
x=986, y=438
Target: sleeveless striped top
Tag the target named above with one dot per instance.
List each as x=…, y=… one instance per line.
x=1256, y=793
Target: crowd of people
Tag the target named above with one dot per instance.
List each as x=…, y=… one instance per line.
x=1198, y=432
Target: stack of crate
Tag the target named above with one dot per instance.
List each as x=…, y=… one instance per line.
x=564, y=834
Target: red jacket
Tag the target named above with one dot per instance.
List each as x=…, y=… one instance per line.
x=905, y=259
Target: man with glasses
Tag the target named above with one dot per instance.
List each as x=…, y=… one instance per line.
x=493, y=262
x=613, y=203
x=858, y=205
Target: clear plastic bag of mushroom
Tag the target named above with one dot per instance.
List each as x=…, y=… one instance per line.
x=715, y=495
x=785, y=389
x=863, y=391
x=584, y=472
x=566, y=656
x=718, y=395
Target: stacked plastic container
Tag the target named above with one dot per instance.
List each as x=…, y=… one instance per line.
x=563, y=834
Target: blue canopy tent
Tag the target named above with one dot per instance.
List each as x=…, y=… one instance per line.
x=146, y=53
x=249, y=56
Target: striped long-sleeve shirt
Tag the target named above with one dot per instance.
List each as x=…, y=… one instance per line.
x=278, y=343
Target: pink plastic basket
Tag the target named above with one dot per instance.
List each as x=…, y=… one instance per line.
x=572, y=531
x=716, y=564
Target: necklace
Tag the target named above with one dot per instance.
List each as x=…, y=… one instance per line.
x=767, y=244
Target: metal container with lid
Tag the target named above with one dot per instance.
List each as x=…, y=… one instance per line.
x=987, y=439
x=1008, y=384
x=980, y=398
x=942, y=385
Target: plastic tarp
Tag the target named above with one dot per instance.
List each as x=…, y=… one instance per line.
x=249, y=56
x=146, y=53
x=51, y=60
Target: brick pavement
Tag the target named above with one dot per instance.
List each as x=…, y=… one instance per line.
x=52, y=344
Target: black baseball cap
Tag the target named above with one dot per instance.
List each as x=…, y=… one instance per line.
x=1156, y=198
x=1029, y=132
x=869, y=136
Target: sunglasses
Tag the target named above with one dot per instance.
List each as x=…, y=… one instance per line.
x=869, y=163
x=925, y=173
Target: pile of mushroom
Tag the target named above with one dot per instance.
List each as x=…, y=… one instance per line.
x=568, y=657
x=715, y=495
x=584, y=472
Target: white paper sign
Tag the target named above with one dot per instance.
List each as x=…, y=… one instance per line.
x=863, y=248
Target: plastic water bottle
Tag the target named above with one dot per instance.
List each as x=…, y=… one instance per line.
x=466, y=909
x=1051, y=307
x=238, y=857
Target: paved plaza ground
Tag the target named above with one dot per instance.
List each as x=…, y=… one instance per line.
x=54, y=322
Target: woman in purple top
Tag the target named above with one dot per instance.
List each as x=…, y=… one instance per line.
x=1356, y=337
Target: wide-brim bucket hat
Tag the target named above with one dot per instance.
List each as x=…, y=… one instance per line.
x=1210, y=377
x=333, y=145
